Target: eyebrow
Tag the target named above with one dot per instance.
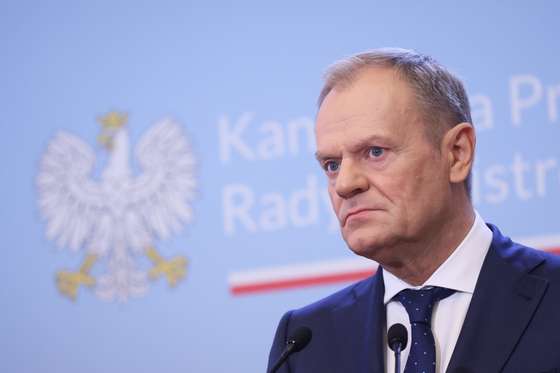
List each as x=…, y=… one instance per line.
x=357, y=146
x=320, y=157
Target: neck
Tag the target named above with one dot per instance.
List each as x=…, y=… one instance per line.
x=424, y=258
x=118, y=167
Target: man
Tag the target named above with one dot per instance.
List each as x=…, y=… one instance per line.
x=395, y=140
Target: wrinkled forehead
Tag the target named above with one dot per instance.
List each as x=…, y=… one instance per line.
x=371, y=89
x=377, y=97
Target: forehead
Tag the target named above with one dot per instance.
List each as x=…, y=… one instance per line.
x=377, y=103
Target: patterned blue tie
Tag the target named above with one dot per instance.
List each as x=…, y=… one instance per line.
x=419, y=305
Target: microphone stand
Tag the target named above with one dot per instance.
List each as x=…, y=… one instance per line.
x=285, y=354
x=398, y=359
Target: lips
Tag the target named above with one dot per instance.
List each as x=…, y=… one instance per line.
x=352, y=212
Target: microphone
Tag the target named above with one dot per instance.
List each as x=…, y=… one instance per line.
x=397, y=338
x=297, y=342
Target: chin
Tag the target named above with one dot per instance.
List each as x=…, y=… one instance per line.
x=368, y=246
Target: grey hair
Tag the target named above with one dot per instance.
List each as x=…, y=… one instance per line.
x=441, y=96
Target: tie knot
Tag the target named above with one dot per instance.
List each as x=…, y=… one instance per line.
x=419, y=303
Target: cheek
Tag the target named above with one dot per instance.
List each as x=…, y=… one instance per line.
x=402, y=194
x=420, y=195
x=335, y=199
x=394, y=187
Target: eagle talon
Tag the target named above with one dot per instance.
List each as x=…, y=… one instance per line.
x=173, y=269
x=68, y=282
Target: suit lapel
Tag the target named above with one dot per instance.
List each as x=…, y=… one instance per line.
x=504, y=301
x=359, y=326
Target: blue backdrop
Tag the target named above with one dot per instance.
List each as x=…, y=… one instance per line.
x=241, y=79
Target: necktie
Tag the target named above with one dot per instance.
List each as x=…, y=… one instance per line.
x=419, y=305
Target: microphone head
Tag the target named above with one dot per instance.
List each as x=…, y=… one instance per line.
x=397, y=335
x=300, y=338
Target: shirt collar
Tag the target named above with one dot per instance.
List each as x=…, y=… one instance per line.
x=459, y=271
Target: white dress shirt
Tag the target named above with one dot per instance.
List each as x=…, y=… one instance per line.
x=459, y=272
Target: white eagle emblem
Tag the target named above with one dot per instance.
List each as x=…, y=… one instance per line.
x=119, y=216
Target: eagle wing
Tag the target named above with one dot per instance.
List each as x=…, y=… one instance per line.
x=160, y=197
x=69, y=199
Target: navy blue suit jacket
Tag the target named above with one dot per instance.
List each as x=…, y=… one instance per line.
x=512, y=325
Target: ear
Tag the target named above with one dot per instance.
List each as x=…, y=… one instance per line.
x=458, y=145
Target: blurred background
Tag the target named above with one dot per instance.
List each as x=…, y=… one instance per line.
x=110, y=264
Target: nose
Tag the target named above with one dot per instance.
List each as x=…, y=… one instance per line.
x=350, y=180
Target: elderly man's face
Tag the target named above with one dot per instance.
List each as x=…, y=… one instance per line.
x=388, y=184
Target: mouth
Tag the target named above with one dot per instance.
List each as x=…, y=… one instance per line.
x=355, y=213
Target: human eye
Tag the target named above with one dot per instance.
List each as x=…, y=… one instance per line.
x=376, y=152
x=331, y=166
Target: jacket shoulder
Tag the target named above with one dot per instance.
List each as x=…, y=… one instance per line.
x=525, y=258
x=341, y=298
x=317, y=316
